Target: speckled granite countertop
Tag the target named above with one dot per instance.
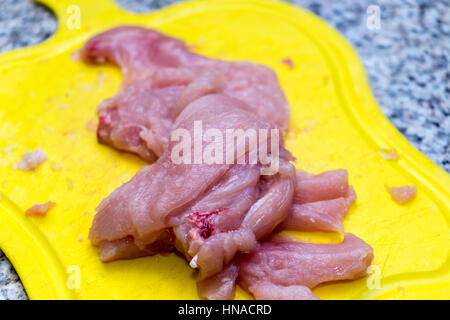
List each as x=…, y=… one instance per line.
x=407, y=60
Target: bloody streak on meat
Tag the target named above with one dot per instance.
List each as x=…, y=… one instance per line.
x=204, y=223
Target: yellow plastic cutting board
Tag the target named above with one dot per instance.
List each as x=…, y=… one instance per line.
x=46, y=100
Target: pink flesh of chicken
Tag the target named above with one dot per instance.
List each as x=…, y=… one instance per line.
x=126, y=248
x=402, y=195
x=210, y=212
x=269, y=291
x=325, y=215
x=238, y=196
x=161, y=77
x=318, y=216
x=221, y=286
x=285, y=268
x=165, y=195
x=40, y=210
x=320, y=202
x=303, y=264
x=138, y=120
x=325, y=186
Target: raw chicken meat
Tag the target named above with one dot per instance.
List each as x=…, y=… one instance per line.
x=40, y=210
x=319, y=216
x=325, y=186
x=31, y=160
x=215, y=210
x=402, y=195
x=302, y=264
x=388, y=154
x=140, y=117
x=221, y=215
x=269, y=291
x=320, y=202
x=138, y=51
x=221, y=286
x=161, y=77
x=126, y=248
x=288, y=62
x=285, y=268
x=138, y=120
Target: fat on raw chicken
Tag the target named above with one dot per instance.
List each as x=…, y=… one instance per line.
x=31, y=160
x=403, y=194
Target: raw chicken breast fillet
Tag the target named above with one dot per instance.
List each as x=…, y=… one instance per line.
x=222, y=215
x=161, y=77
x=214, y=211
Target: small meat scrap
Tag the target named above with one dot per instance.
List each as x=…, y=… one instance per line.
x=193, y=46
x=288, y=62
x=403, y=194
x=40, y=210
x=91, y=125
x=31, y=160
x=75, y=56
x=388, y=154
x=8, y=149
x=56, y=166
x=101, y=78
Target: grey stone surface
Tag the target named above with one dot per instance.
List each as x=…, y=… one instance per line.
x=407, y=61
x=24, y=23
x=10, y=285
